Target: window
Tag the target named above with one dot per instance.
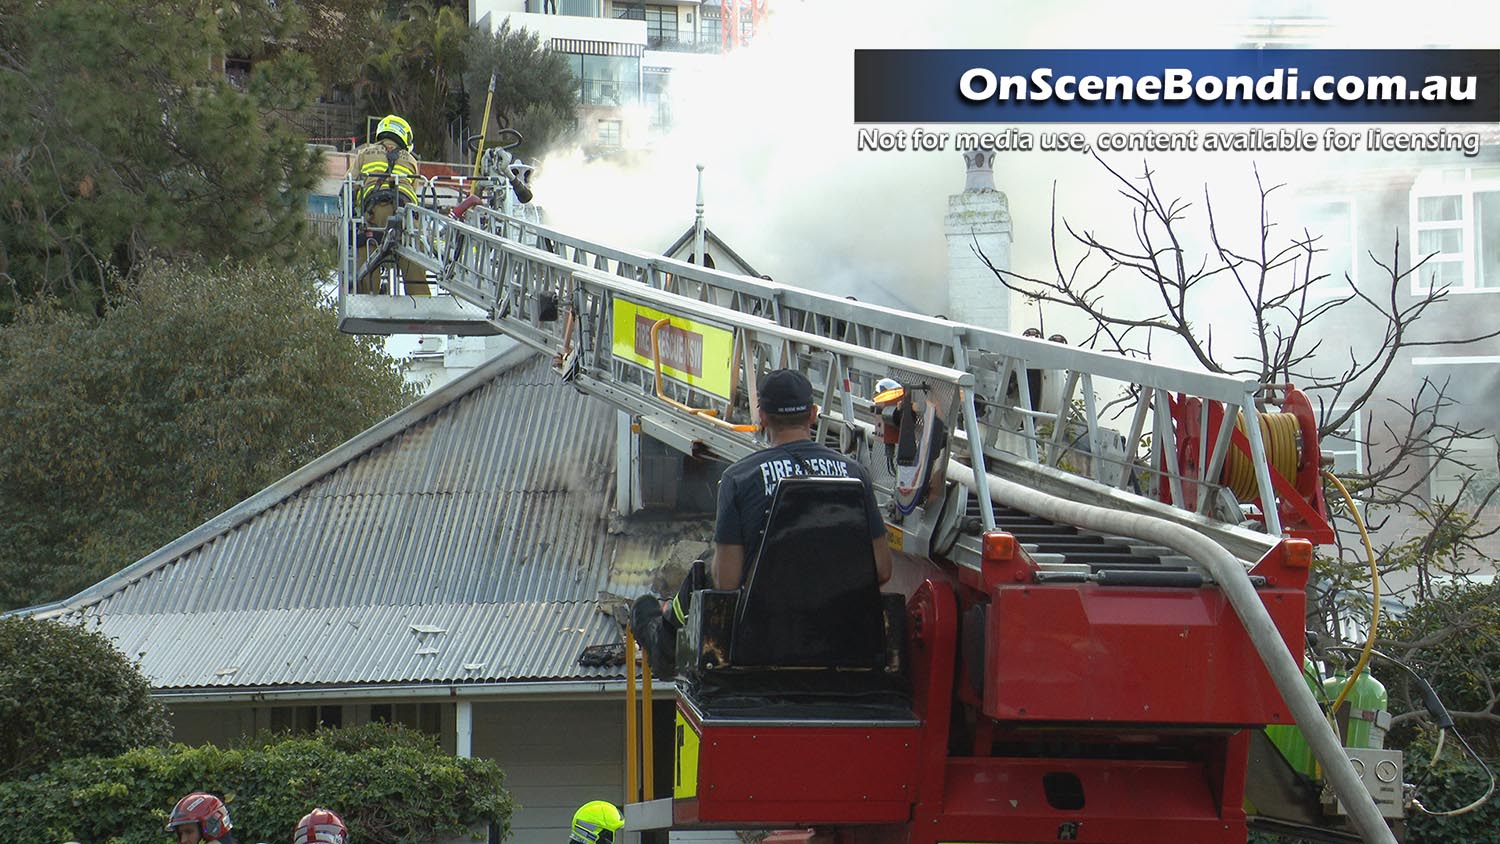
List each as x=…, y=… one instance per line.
x=578, y=8
x=661, y=25
x=609, y=133
x=305, y=719
x=426, y=717
x=709, y=34
x=1468, y=484
x=658, y=103
x=606, y=80
x=1455, y=217
x=1346, y=445
x=237, y=71
x=1332, y=223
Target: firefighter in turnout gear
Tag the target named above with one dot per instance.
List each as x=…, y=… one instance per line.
x=200, y=817
x=388, y=179
x=596, y=822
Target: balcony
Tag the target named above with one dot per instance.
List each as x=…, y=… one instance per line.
x=679, y=45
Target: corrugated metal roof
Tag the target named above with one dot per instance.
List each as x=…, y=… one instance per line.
x=487, y=516
x=436, y=643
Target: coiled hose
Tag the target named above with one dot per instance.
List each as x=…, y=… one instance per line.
x=1280, y=432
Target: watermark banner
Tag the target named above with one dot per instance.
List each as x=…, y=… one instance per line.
x=1177, y=86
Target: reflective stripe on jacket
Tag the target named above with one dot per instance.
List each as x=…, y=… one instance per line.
x=370, y=161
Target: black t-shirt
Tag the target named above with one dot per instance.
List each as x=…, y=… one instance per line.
x=746, y=487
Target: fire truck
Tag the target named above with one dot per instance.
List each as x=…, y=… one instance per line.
x=1096, y=628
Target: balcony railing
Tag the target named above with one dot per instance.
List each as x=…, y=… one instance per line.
x=681, y=45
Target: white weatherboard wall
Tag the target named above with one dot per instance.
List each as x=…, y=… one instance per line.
x=557, y=755
x=980, y=216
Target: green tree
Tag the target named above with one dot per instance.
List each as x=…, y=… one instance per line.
x=202, y=385
x=390, y=785
x=535, y=91
x=119, y=137
x=412, y=68
x=66, y=692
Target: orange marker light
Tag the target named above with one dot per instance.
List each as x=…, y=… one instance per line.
x=997, y=547
x=1299, y=553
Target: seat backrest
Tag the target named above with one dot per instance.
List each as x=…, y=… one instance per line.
x=811, y=596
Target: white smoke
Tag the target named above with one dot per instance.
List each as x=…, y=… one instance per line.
x=773, y=125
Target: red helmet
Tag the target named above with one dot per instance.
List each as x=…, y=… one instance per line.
x=320, y=826
x=205, y=810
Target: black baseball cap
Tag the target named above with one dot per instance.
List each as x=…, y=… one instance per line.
x=785, y=391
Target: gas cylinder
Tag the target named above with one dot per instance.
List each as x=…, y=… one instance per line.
x=1288, y=737
x=1368, y=714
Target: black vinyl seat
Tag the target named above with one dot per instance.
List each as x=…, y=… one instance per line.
x=808, y=634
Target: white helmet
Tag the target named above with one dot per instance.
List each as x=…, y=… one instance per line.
x=887, y=391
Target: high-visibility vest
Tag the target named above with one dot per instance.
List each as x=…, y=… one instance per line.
x=371, y=162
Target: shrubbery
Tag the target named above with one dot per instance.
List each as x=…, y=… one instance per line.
x=66, y=692
x=391, y=785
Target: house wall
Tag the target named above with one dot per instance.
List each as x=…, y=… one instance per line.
x=557, y=755
x=1378, y=193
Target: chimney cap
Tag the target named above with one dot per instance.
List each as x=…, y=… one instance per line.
x=980, y=167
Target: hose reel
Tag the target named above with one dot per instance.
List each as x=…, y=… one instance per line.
x=1289, y=433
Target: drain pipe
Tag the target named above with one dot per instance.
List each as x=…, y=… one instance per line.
x=1231, y=578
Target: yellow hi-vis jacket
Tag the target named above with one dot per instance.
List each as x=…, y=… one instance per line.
x=370, y=161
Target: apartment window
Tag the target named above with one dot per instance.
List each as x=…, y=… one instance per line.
x=1456, y=220
x=1467, y=484
x=1345, y=445
x=709, y=32
x=237, y=71
x=607, y=80
x=658, y=103
x=661, y=25
x=609, y=133
x=1332, y=222
x=578, y=8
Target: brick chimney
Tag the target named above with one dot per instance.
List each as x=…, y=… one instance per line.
x=978, y=217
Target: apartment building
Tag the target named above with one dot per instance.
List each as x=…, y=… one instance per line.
x=623, y=54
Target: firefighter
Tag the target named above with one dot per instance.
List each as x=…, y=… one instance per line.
x=388, y=180
x=320, y=826
x=894, y=402
x=596, y=822
x=200, y=816
x=887, y=398
x=787, y=413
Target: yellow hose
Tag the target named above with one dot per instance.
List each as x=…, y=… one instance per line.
x=1364, y=655
x=1279, y=432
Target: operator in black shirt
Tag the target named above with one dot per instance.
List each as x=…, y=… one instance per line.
x=786, y=415
x=745, y=489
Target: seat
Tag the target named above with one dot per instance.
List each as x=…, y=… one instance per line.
x=811, y=596
x=809, y=633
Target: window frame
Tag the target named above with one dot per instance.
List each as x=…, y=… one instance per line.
x=1357, y=431
x=1432, y=476
x=618, y=127
x=1334, y=286
x=1462, y=183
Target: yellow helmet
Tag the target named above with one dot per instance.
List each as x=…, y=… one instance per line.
x=595, y=822
x=399, y=130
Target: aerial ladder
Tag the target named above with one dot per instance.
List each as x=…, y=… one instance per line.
x=1090, y=634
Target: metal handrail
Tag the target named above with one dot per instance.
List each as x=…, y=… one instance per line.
x=495, y=261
